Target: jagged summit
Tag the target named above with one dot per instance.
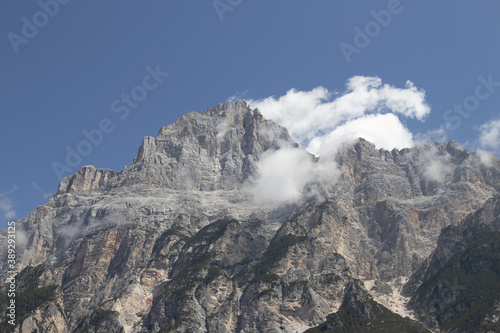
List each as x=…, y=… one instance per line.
x=228, y=108
x=213, y=150
x=218, y=149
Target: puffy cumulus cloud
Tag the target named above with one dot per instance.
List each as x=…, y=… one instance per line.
x=321, y=121
x=282, y=175
x=303, y=113
x=289, y=174
x=489, y=134
x=316, y=113
x=385, y=130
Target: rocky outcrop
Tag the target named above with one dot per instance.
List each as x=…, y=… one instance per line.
x=88, y=178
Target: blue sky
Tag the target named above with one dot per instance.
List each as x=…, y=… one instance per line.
x=63, y=77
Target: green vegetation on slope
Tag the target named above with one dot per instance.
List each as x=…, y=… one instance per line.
x=465, y=289
x=359, y=313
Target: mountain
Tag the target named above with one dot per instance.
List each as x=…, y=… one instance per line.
x=187, y=238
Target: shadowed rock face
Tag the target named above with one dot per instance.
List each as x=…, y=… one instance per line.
x=458, y=287
x=360, y=313
x=175, y=241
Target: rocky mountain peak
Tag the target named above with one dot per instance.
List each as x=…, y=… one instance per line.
x=212, y=150
x=228, y=109
x=453, y=147
x=215, y=149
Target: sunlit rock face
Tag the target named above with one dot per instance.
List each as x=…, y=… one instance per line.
x=215, y=150
x=180, y=240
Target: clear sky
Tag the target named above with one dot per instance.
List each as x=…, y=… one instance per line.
x=68, y=66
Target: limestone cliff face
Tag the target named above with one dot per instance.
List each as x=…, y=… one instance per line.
x=397, y=202
x=175, y=242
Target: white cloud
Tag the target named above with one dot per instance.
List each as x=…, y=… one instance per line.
x=282, y=175
x=221, y=127
x=70, y=232
x=489, y=136
x=384, y=130
x=436, y=171
x=6, y=205
x=316, y=113
x=21, y=238
x=486, y=157
x=437, y=166
x=290, y=174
